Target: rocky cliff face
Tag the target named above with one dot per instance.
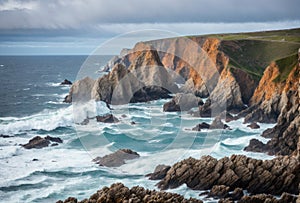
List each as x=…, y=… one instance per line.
x=286, y=133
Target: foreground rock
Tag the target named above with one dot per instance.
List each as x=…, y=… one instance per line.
x=159, y=173
x=66, y=82
x=118, y=193
x=269, y=176
x=182, y=102
x=39, y=142
x=117, y=158
x=109, y=118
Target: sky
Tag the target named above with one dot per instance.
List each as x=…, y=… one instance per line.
x=54, y=27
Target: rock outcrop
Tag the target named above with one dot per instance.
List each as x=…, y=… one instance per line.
x=118, y=193
x=144, y=80
x=80, y=91
x=182, y=102
x=109, y=118
x=285, y=135
x=117, y=158
x=256, y=176
x=39, y=142
x=216, y=124
x=66, y=82
x=159, y=173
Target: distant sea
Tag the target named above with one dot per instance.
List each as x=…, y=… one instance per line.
x=31, y=105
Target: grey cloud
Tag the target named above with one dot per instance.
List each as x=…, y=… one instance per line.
x=84, y=14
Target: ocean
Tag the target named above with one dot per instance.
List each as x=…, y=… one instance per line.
x=32, y=105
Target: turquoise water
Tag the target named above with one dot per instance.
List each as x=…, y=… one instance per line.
x=31, y=105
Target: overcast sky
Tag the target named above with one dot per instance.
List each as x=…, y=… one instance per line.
x=79, y=26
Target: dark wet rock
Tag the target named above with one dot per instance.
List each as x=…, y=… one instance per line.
x=200, y=126
x=159, y=172
x=132, y=123
x=259, y=198
x=255, y=146
x=66, y=82
x=109, y=118
x=227, y=116
x=237, y=194
x=218, y=124
x=182, y=102
x=34, y=159
x=6, y=136
x=39, y=142
x=253, y=126
x=219, y=191
x=238, y=171
x=118, y=193
x=54, y=139
x=117, y=158
x=150, y=93
x=54, y=144
x=171, y=106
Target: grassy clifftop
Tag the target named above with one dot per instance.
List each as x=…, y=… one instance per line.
x=253, y=52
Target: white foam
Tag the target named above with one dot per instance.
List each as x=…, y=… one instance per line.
x=46, y=120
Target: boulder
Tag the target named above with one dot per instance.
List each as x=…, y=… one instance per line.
x=109, y=118
x=182, y=102
x=200, y=126
x=159, y=172
x=119, y=193
x=39, y=142
x=219, y=191
x=253, y=126
x=66, y=82
x=117, y=158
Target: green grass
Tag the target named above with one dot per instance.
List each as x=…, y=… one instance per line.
x=285, y=66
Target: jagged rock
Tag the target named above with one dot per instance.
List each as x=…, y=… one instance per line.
x=109, y=118
x=118, y=193
x=237, y=194
x=66, y=82
x=182, y=102
x=39, y=142
x=285, y=135
x=269, y=176
x=200, y=126
x=253, y=126
x=80, y=91
x=159, y=172
x=144, y=80
x=255, y=146
x=117, y=158
x=219, y=191
x=260, y=198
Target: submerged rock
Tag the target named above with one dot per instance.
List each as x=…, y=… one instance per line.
x=109, y=118
x=117, y=158
x=118, y=193
x=39, y=142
